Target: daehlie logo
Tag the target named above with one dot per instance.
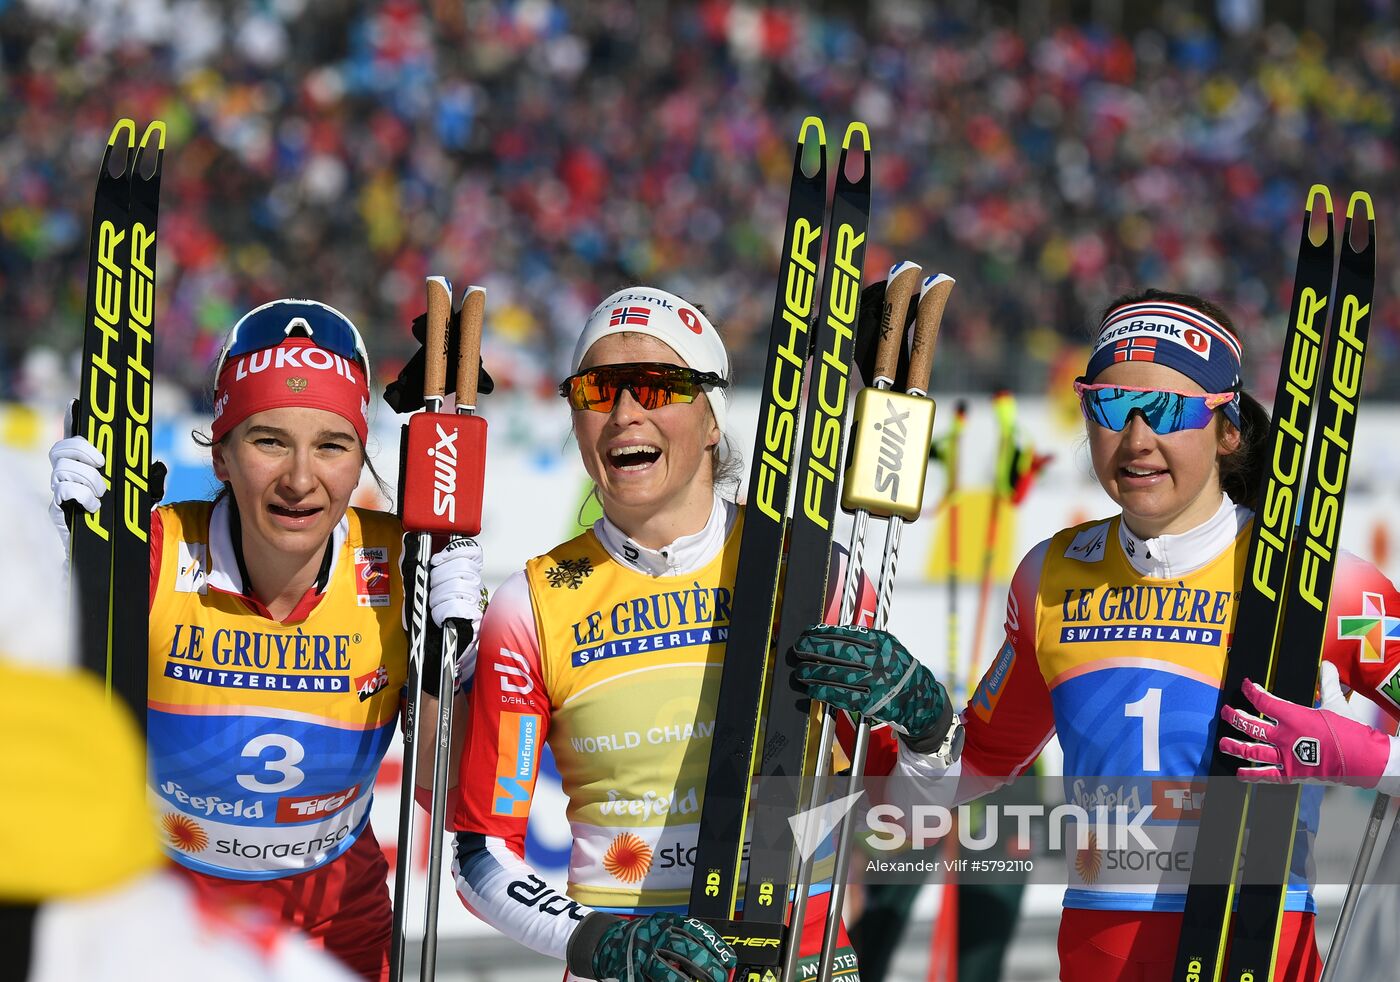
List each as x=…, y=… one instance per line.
x=445, y=473
x=316, y=359
x=893, y=432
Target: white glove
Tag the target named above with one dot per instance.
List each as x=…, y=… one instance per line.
x=74, y=476
x=455, y=592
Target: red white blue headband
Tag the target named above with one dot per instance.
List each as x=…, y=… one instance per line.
x=1174, y=335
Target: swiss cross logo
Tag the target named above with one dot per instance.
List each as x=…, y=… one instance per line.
x=1372, y=628
x=1135, y=349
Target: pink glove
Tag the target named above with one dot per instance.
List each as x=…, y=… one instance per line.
x=1305, y=744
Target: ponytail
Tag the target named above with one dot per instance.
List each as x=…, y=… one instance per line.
x=1242, y=470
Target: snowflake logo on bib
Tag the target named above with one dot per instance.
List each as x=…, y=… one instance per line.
x=569, y=573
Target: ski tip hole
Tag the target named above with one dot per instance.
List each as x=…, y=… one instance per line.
x=1361, y=197
x=856, y=127
x=1319, y=190
x=155, y=132
x=129, y=125
x=812, y=123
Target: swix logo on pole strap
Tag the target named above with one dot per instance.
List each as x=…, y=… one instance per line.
x=444, y=456
x=446, y=471
x=892, y=435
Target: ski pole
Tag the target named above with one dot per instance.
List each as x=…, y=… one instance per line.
x=1004, y=405
x=902, y=280
x=434, y=382
x=898, y=508
x=951, y=463
x=443, y=471
x=473, y=311
x=1358, y=876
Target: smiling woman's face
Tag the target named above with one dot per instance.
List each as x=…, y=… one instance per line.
x=644, y=460
x=1165, y=484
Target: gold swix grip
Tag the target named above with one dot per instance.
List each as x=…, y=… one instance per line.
x=891, y=431
x=469, y=352
x=899, y=290
x=933, y=298
x=435, y=342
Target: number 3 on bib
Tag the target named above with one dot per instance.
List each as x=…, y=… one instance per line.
x=284, y=766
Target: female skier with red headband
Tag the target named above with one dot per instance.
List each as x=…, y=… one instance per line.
x=1116, y=636
x=277, y=648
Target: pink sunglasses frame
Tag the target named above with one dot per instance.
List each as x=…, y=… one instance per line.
x=1214, y=400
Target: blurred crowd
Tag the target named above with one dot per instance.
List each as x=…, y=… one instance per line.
x=554, y=151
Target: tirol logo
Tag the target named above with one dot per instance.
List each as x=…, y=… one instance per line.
x=445, y=473
x=892, y=434
x=307, y=807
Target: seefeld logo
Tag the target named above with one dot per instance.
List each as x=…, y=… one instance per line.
x=651, y=804
x=445, y=473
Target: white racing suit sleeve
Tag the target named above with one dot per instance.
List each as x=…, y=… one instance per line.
x=505, y=891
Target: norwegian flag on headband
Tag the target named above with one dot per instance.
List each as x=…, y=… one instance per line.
x=1135, y=349
x=629, y=316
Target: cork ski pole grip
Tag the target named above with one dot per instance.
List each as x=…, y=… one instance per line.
x=899, y=290
x=933, y=298
x=469, y=347
x=435, y=341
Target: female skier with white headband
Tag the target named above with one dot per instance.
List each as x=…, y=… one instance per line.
x=609, y=646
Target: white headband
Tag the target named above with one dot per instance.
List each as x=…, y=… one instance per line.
x=669, y=319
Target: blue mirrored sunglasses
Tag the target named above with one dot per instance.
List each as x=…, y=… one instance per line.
x=1165, y=410
x=272, y=323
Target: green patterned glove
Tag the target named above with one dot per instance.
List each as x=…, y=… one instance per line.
x=661, y=947
x=870, y=673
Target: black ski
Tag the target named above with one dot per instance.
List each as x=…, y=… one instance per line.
x=821, y=458
x=97, y=412
x=1206, y=922
x=109, y=549
x=1273, y=811
x=138, y=481
x=719, y=848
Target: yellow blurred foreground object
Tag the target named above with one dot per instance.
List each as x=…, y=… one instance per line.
x=974, y=513
x=75, y=818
